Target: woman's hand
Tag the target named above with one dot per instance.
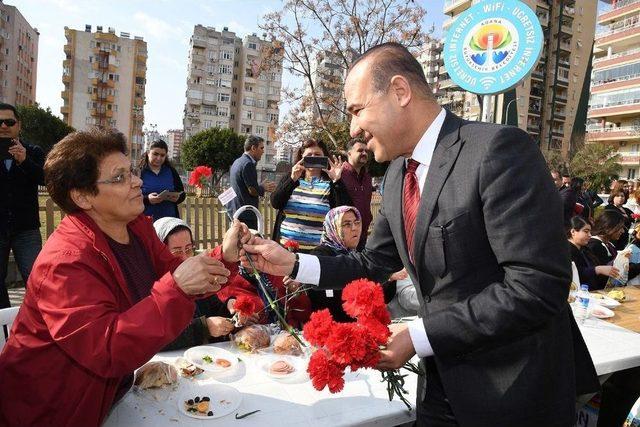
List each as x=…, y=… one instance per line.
x=237, y=235
x=219, y=326
x=608, y=270
x=399, y=275
x=200, y=274
x=335, y=168
x=297, y=170
x=154, y=199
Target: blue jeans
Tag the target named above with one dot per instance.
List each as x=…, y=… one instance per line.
x=26, y=246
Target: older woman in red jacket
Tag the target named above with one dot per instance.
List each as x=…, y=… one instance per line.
x=104, y=295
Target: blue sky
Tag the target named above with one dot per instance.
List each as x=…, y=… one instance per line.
x=166, y=26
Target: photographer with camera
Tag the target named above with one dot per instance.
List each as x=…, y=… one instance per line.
x=304, y=197
x=20, y=174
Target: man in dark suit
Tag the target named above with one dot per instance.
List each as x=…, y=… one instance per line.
x=495, y=335
x=20, y=174
x=244, y=180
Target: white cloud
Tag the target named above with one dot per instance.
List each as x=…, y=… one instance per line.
x=156, y=28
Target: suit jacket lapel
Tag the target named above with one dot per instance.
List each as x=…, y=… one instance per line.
x=444, y=157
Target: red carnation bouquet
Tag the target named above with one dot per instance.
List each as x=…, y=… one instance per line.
x=356, y=344
x=200, y=176
x=292, y=246
x=635, y=216
x=244, y=306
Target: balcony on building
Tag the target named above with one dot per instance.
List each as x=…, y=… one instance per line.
x=561, y=97
x=534, y=107
x=197, y=58
x=543, y=16
x=620, y=57
x=626, y=108
x=197, y=41
x=620, y=9
x=65, y=109
x=454, y=7
x=620, y=33
x=66, y=78
x=599, y=133
x=560, y=114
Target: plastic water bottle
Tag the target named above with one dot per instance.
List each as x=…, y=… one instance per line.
x=582, y=301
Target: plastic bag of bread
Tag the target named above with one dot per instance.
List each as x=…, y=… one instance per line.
x=155, y=375
x=285, y=343
x=252, y=338
x=621, y=262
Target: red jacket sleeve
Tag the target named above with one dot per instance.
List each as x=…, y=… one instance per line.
x=80, y=308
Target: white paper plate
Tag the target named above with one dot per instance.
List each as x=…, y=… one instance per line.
x=604, y=300
x=299, y=364
x=600, y=312
x=195, y=355
x=224, y=400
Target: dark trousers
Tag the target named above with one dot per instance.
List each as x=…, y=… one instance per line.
x=619, y=393
x=432, y=406
x=26, y=246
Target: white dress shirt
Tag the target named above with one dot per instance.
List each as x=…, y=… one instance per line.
x=309, y=268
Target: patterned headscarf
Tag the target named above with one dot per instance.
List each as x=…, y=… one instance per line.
x=332, y=235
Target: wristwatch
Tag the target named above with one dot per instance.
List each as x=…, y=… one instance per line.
x=296, y=267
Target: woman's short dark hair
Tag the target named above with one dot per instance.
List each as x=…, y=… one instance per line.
x=158, y=143
x=73, y=164
x=607, y=223
x=308, y=144
x=616, y=192
x=576, y=185
x=576, y=223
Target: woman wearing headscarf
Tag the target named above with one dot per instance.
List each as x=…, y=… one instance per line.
x=341, y=233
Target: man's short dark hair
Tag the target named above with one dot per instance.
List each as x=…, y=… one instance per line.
x=5, y=106
x=354, y=141
x=252, y=141
x=392, y=59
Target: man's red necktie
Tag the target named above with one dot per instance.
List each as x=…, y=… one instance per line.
x=411, y=202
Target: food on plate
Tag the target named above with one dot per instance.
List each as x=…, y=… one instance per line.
x=198, y=406
x=207, y=359
x=156, y=374
x=573, y=288
x=252, y=338
x=596, y=296
x=601, y=312
x=188, y=369
x=280, y=367
x=617, y=294
x=285, y=343
x=223, y=363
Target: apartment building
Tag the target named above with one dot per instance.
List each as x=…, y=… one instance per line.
x=175, y=137
x=18, y=57
x=231, y=86
x=104, y=78
x=551, y=102
x=614, y=107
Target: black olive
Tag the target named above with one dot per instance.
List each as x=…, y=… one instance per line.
x=190, y=402
x=197, y=399
x=206, y=399
x=209, y=414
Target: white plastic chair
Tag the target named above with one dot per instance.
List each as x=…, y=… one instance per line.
x=7, y=316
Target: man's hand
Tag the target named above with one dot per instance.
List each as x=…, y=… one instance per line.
x=268, y=257
x=399, y=275
x=234, y=238
x=18, y=151
x=399, y=349
x=200, y=274
x=290, y=285
x=268, y=186
x=219, y=326
x=154, y=199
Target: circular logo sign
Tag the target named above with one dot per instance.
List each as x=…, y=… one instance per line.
x=492, y=46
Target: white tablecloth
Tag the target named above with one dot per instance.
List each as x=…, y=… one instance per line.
x=612, y=348
x=364, y=401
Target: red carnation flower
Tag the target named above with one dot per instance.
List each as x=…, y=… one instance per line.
x=318, y=328
x=200, y=175
x=635, y=216
x=351, y=344
x=379, y=331
x=363, y=298
x=325, y=372
x=244, y=305
x=292, y=245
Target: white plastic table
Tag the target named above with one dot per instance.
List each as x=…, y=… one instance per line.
x=364, y=401
x=612, y=348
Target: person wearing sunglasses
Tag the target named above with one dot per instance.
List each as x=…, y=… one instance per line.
x=104, y=295
x=20, y=174
x=211, y=319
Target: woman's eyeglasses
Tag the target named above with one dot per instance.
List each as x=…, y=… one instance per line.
x=123, y=177
x=187, y=250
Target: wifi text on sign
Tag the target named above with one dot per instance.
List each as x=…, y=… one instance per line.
x=492, y=46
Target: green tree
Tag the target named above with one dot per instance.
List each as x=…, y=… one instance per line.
x=597, y=164
x=41, y=127
x=214, y=147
